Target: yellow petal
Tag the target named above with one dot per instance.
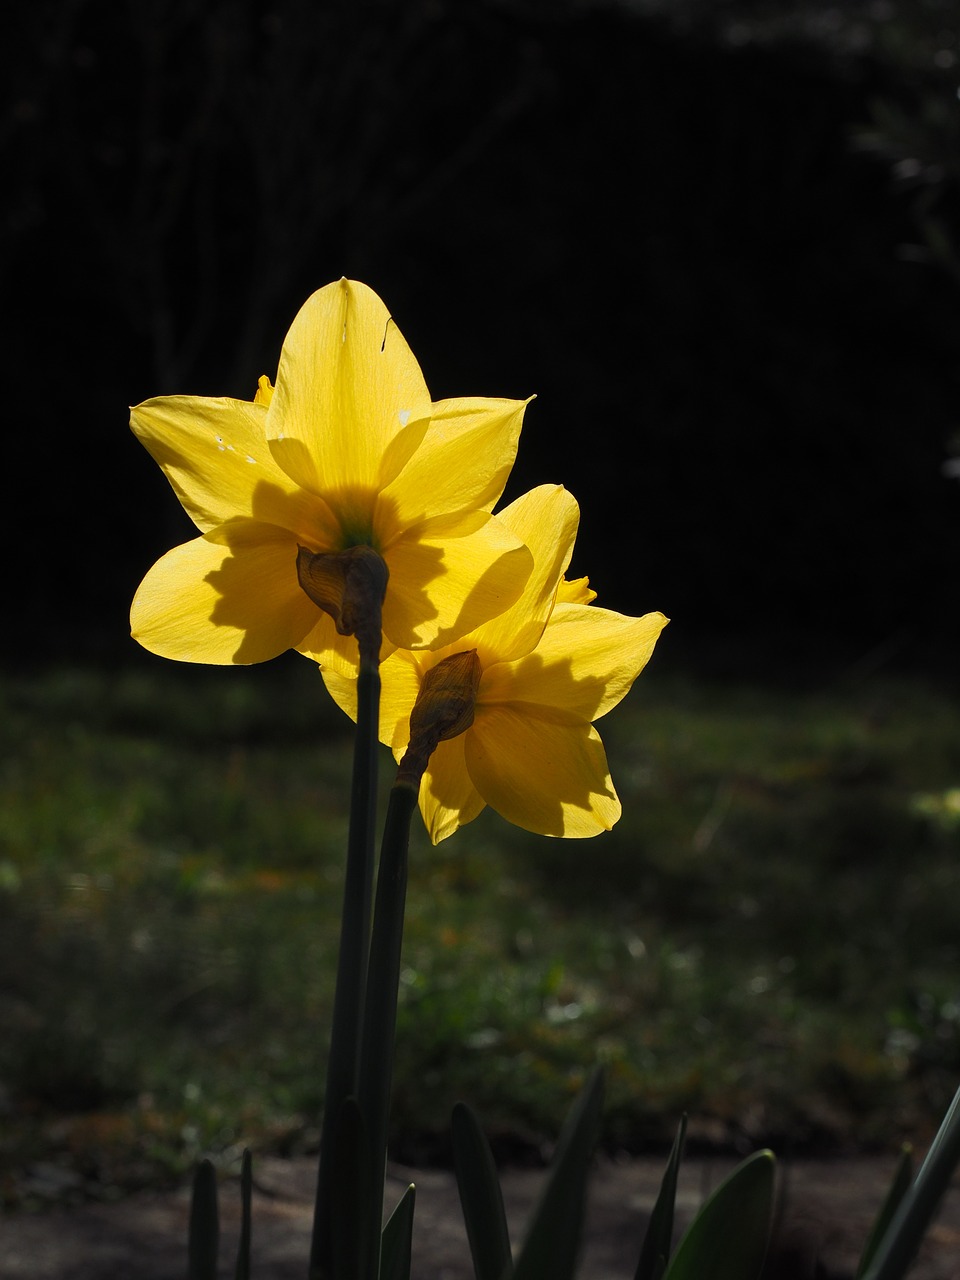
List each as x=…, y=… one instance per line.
x=463, y=461
x=575, y=591
x=325, y=646
x=334, y=652
x=400, y=677
x=448, y=798
x=586, y=661
x=347, y=385
x=215, y=454
x=546, y=520
x=400, y=682
x=447, y=576
x=342, y=689
x=213, y=602
x=540, y=774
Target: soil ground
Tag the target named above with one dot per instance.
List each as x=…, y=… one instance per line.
x=827, y=1211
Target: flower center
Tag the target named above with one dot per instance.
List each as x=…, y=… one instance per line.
x=354, y=509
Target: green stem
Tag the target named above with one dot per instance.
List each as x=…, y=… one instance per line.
x=380, y=1009
x=347, y=1021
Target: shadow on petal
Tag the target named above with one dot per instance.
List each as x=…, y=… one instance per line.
x=542, y=766
x=258, y=594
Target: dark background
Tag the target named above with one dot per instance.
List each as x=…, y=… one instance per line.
x=719, y=248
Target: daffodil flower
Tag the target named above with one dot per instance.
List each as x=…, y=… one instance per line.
x=345, y=451
x=513, y=726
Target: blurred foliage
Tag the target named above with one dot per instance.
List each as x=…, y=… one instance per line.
x=910, y=36
x=767, y=940
x=912, y=120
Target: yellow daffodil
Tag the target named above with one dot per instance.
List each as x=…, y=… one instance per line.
x=346, y=451
x=505, y=716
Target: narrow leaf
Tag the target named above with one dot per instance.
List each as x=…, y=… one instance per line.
x=728, y=1238
x=204, y=1234
x=552, y=1242
x=480, y=1197
x=916, y=1210
x=397, y=1239
x=899, y=1187
x=658, y=1241
x=243, y=1248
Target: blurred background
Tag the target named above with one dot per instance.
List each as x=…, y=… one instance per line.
x=721, y=244
x=717, y=241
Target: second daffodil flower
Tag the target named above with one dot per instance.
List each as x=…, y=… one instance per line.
x=505, y=716
x=346, y=452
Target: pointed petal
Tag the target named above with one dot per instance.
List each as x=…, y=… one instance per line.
x=546, y=519
x=463, y=461
x=347, y=385
x=448, y=798
x=447, y=576
x=342, y=689
x=586, y=661
x=541, y=774
x=224, y=602
x=215, y=454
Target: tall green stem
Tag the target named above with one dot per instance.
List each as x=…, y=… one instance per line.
x=347, y=1022
x=380, y=1008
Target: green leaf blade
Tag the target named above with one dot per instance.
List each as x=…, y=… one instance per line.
x=481, y=1198
x=552, y=1242
x=728, y=1238
x=658, y=1240
x=900, y=1185
x=397, y=1239
x=916, y=1210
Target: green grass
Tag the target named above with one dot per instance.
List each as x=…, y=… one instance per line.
x=768, y=940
